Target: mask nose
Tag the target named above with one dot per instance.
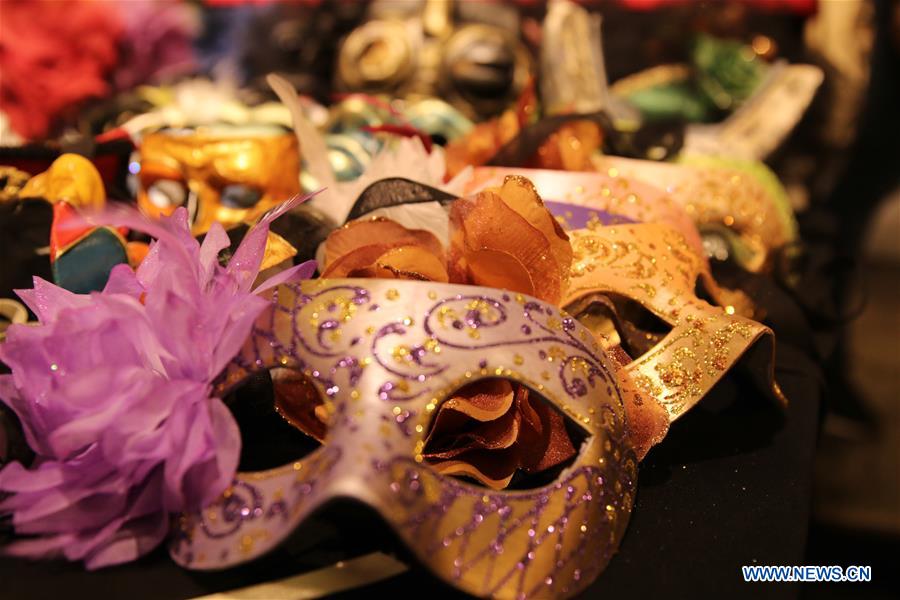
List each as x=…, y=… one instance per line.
x=332, y=541
x=344, y=528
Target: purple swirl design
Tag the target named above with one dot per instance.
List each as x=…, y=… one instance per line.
x=244, y=503
x=539, y=332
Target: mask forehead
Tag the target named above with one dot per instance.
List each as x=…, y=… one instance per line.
x=237, y=159
x=411, y=344
x=384, y=354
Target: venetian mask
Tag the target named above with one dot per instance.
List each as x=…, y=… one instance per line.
x=636, y=286
x=471, y=55
x=643, y=286
x=229, y=175
x=380, y=357
x=738, y=206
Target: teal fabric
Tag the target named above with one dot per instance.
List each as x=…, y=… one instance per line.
x=85, y=266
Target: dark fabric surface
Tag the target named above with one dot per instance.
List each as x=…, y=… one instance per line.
x=729, y=486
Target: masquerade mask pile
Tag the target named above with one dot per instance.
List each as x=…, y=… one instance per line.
x=369, y=366
x=383, y=355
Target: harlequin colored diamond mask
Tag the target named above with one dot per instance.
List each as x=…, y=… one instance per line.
x=220, y=174
x=71, y=178
x=383, y=355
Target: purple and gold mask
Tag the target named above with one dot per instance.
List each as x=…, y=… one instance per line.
x=383, y=355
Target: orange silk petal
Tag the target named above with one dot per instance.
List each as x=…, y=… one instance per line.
x=411, y=262
x=495, y=268
x=360, y=258
x=491, y=435
x=482, y=465
x=367, y=232
x=544, y=440
x=529, y=435
x=483, y=400
x=488, y=223
x=520, y=195
x=474, y=431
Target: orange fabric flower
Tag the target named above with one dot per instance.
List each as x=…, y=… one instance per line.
x=505, y=238
x=384, y=249
x=489, y=429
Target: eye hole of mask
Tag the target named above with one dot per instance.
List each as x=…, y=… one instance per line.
x=237, y=195
x=717, y=244
x=281, y=416
x=439, y=138
x=167, y=193
x=501, y=434
x=622, y=326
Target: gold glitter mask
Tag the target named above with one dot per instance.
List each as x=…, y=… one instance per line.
x=734, y=207
x=634, y=286
x=225, y=175
x=383, y=355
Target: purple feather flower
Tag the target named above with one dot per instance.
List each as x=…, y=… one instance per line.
x=114, y=393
